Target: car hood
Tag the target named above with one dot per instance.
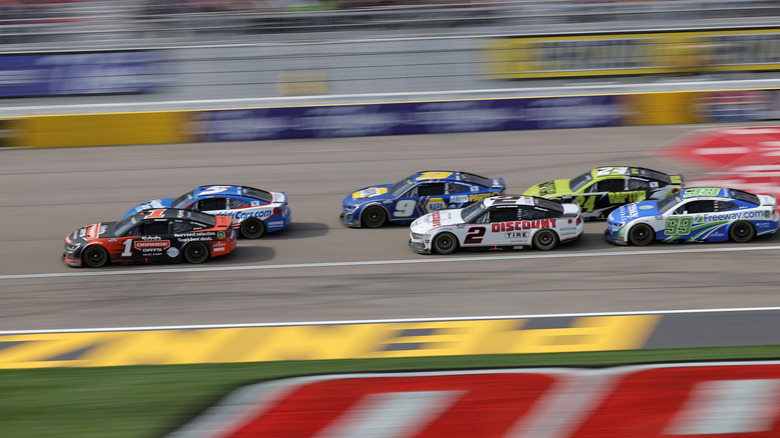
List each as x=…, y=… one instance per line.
x=154, y=203
x=550, y=188
x=91, y=232
x=633, y=211
x=437, y=219
x=378, y=192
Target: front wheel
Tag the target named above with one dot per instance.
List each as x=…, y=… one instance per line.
x=196, y=252
x=374, y=217
x=741, y=232
x=444, y=243
x=95, y=256
x=640, y=235
x=545, y=240
x=252, y=228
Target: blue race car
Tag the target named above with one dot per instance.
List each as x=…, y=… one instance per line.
x=415, y=196
x=254, y=211
x=698, y=214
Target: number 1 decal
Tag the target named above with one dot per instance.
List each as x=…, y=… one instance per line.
x=474, y=235
x=128, y=248
x=154, y=214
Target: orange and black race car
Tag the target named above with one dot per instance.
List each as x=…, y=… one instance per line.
x=159, y=235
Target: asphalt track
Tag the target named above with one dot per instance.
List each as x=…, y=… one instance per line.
x=319, y=270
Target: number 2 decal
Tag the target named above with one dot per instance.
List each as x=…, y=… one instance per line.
x=678, y=226
x=474, y=235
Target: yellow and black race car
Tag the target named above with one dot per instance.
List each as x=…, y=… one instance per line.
x=603, y=189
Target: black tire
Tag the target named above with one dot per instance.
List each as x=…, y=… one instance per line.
x=374, y=216
x=545, y=240
x=95, y=256
x=252, y=228
x=196, y=252
x=741, y=232
x=444, y=243
x=640, y=235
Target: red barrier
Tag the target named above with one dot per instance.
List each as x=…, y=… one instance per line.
x=728, y=400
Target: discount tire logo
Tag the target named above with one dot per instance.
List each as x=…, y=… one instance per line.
x=724, y=400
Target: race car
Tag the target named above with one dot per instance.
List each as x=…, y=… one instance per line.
x=415, y=196
x=254, y=211
x=158, y=235
x=601, y=190
x=497, y=222
x=697, y=214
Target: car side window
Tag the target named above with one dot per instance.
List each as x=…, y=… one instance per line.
x=182, y=227
x=212, y=204
x=453, y=188
x=638, y=184
x=532, y=214
x=504, y=214
x=154, y=228
x=431, y=189
x=237, y=203
x=725, y=206
x=696, y=207
x=611, y=185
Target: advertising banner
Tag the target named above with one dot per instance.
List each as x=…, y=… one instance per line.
x=409, y=118
x=80, y=73
x=632, y=53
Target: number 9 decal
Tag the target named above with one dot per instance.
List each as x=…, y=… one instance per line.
x=404, y=208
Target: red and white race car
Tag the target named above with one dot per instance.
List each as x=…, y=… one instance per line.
x=498, y=222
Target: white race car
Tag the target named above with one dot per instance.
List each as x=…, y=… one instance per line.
x=497, y=222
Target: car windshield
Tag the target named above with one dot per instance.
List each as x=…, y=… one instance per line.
x=402, y=186
x=580, y=181
x=122, y=227
x=183, y=200
x=473, y=211
x=668, y=202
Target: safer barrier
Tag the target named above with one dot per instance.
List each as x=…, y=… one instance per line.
x=350, y=120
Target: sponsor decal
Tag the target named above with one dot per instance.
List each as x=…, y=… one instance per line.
x=632, y=210
x=624, y=197
x=369, y=192
x=734, y=216
x=154, y=245
x=220, y=235
x=459, y=199
x=724, y=400
x=516, y=235
x=436, y=219
x=241, y=215
x=436, y=204
x=646, y=207
x=275, y=223
x=172, y=252
x=480, y=196
x=523, y=225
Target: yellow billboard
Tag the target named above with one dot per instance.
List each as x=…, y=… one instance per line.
x=624, y=54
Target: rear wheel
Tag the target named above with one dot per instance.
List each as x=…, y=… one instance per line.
x=444, y=243
x=640, y=235
x=741, y=232
x=374, y=217
x=95, y=256
x=196, y=252
x=252, y=228
x=545, y=240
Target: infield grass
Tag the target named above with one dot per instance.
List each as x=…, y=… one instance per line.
x=151, y=401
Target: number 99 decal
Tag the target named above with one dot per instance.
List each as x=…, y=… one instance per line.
x=678, y=226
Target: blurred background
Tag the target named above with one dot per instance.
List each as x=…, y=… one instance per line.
x=196, y=54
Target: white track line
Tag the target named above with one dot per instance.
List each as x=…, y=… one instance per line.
x=422, y=259
x=392, y=321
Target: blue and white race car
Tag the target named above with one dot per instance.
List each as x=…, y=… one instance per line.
x=697, y=214
x=254, y=211
x=415, y=196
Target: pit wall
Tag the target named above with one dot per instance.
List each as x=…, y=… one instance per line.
x=403, y=118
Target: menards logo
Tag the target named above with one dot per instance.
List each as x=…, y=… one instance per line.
x=724, y=400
